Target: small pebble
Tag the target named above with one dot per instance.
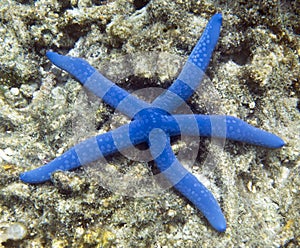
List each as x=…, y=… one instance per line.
x=12, y=230
x=9, y=152
x=14, y=91
x=252, y=105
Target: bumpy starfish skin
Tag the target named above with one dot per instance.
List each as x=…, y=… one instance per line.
x=153, y=124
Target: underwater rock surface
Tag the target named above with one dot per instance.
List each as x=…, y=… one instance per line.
x=255, y=70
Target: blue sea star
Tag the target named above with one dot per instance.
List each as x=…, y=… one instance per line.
x=153, y=124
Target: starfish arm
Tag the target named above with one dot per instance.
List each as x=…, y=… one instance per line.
x=227, y=127
x=184, y=181
x=88, y=151
x=98, y=84
x=67, y=161
x=194, y=69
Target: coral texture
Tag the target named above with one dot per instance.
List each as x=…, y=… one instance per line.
x=255, y=70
